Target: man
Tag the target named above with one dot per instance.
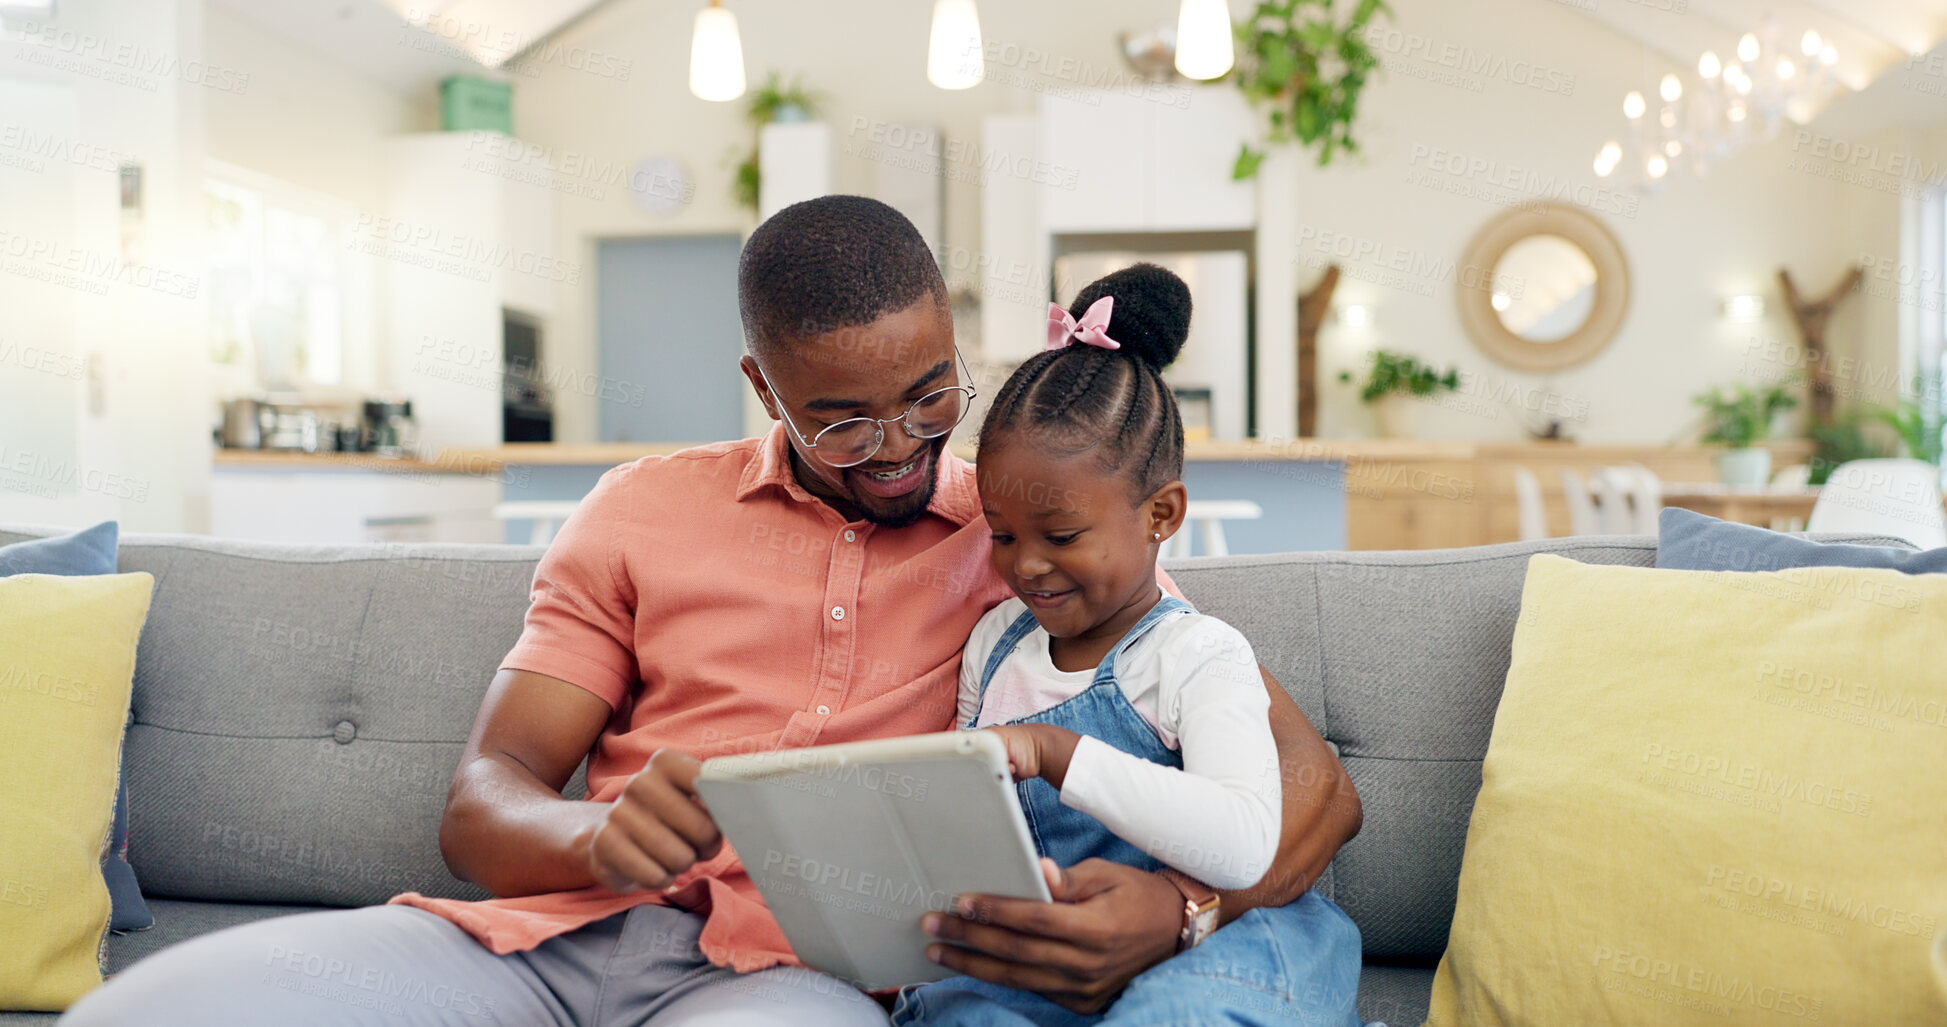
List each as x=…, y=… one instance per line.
x=811, y=587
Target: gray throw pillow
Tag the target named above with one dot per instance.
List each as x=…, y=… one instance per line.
x=1690, y=541
x=88, y=552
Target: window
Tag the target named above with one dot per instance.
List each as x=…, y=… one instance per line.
x=277, y=282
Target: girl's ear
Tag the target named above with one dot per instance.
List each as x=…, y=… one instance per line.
x=1165, y=508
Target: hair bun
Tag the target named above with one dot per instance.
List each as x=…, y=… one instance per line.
x=1151, y=318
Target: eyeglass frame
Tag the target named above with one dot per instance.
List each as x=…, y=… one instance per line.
x=879, y=423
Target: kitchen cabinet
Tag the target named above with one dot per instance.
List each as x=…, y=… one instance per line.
x=467, y=231
x=1157, y=160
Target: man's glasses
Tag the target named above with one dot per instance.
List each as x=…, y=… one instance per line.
x=854, y=440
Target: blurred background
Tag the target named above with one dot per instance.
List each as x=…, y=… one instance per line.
x=332, y=270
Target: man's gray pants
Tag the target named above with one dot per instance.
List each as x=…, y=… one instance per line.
x=385, y=965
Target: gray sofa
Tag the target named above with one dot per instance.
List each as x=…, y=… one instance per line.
x=298, y=712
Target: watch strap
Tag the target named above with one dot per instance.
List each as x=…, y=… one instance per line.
x=1200, y=907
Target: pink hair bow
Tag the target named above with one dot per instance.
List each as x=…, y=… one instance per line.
x=1095, y=321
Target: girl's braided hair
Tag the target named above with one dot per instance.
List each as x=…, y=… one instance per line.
x=1114, y=402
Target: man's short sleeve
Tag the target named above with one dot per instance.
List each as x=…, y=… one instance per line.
x=581, y=622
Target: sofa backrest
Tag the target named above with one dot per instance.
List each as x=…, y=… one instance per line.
x=298, y=711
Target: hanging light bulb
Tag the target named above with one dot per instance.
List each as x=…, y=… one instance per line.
x=1829, y=56
x=1633, y=105
x=1735, y=112
x=1810, y=45
x=1656, y=166
x=1743, y=84
x=1670, y=89
x=1673, y=148
x=1203, y=39
x=716, y=55
x=1708, y=65
x=1667, y=117
x=1785, y=68
x=1611, y=152
x=1747, y=48
x=953, y=55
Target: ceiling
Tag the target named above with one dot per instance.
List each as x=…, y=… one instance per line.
x=409, y=45
x=1873, y=37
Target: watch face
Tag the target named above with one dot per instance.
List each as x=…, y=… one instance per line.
x=661, y=186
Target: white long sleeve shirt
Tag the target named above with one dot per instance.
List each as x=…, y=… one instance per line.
x=1195, y=680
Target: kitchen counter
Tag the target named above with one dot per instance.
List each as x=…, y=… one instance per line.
x=609, y=454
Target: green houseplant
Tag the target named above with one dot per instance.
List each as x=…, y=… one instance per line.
x=1308, y=68
x=1917, y=424
x=1739, y=418
x=1393, y=383
x=775, y=100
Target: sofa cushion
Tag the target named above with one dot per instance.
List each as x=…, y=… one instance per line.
x=90, y=551
x=1665, y=834
x=1687, y=540
x=67, y=660
x=175, y=921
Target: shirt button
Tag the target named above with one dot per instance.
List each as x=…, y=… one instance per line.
x=823, y=710
x=838, y=613
x=851, y=536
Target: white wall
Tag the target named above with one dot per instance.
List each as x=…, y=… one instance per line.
x=1546, y=95
x=141, y=454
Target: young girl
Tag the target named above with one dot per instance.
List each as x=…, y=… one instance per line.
x=1136, y=727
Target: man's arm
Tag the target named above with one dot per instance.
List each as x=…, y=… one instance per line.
x=507, y=828
x=1321, y=810
x=1111, y=922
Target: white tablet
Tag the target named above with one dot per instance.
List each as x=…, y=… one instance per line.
x=851, y=844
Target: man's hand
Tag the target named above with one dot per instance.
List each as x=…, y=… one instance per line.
x=656, y=829
x=1107, y=924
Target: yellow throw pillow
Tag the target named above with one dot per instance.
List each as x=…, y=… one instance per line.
x=1710, y=798
x=67, y=662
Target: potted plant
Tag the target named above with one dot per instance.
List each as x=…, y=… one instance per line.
x=775, y=100
x=1296, y=58
x=1395, y=385
x=1740, y=418
x=1918, y=426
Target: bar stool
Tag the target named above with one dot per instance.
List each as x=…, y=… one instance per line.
x=1207, y=517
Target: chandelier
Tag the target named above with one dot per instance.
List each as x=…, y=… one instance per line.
x=1731, y=104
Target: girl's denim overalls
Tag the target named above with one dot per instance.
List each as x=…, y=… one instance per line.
x=1296, y=964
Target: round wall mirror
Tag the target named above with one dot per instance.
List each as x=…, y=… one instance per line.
x=1543, y=290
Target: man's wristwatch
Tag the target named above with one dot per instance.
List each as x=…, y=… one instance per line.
x=1200, y=906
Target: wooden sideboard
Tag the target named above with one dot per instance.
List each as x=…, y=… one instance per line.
x=1469, y=500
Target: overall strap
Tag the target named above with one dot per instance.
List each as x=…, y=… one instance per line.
x=1009, y=641
x=1170, y=606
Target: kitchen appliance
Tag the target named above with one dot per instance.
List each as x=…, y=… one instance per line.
x=526, y=402
x=389, y=429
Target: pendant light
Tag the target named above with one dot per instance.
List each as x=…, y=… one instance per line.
x=1203, y=39
x=954, y=54
x=716, y=55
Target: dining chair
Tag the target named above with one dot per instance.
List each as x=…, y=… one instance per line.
x=1581, y=508
x=1890, y=497
x=1645, y=497
x=1527, y=499
x=1789, y=477
x=1611, y=487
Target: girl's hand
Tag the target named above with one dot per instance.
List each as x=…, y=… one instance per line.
x=1038, y=750
x=1023, y=751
